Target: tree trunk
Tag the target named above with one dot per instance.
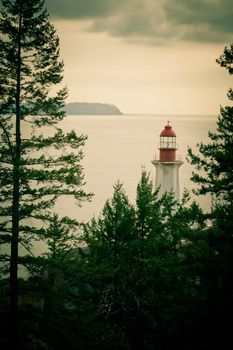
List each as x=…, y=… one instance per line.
x=15, y=205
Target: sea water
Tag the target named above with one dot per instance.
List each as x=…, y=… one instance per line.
x=118, y=147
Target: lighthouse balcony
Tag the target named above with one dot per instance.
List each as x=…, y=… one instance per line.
x=157, y=159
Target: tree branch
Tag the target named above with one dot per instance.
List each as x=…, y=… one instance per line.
x=8, y=139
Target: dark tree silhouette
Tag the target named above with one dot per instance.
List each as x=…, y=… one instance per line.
x=38, y=162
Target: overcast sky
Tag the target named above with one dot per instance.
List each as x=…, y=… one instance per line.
x=145, y=56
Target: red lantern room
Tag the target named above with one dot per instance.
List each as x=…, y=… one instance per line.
x=167, y=144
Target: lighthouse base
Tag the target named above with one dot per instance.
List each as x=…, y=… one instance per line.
x=167, y=177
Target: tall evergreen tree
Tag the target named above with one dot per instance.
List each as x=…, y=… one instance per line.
x=148, y=218
x=38, y=162
x=215, y=159
x=109, y=238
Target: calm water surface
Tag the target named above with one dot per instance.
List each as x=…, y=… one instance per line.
x=119, y=146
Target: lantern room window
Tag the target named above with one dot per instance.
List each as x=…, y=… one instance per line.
x=168, y=142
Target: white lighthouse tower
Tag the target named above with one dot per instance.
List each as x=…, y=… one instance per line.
x=167, y=166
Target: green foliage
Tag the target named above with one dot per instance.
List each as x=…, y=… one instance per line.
x=226, y=59
x=216, y=158
x=140, y=268
x=144, y=276
x=61, y=236
x=215, y=264
x=34, y=150
x=147, y=207
x=109, y=240
x=38, y=161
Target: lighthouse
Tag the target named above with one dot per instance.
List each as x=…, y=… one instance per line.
x=167, y=166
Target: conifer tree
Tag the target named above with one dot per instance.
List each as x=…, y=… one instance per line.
x=38, y=162
x=147, y=211
x=110, y=235
x=216, y=158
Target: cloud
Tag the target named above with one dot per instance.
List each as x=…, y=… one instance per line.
x=152, y=21
x=201, y=20
x=82, y=9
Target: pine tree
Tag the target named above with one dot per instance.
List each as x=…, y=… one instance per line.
x=109, y=266
x=110, y=235
x=148, y=216
x=216, y=158
x=215, y=271
x=38, y=162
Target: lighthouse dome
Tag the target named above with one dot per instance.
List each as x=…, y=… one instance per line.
x=167, y=131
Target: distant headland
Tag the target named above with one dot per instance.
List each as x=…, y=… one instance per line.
x=86, y=108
